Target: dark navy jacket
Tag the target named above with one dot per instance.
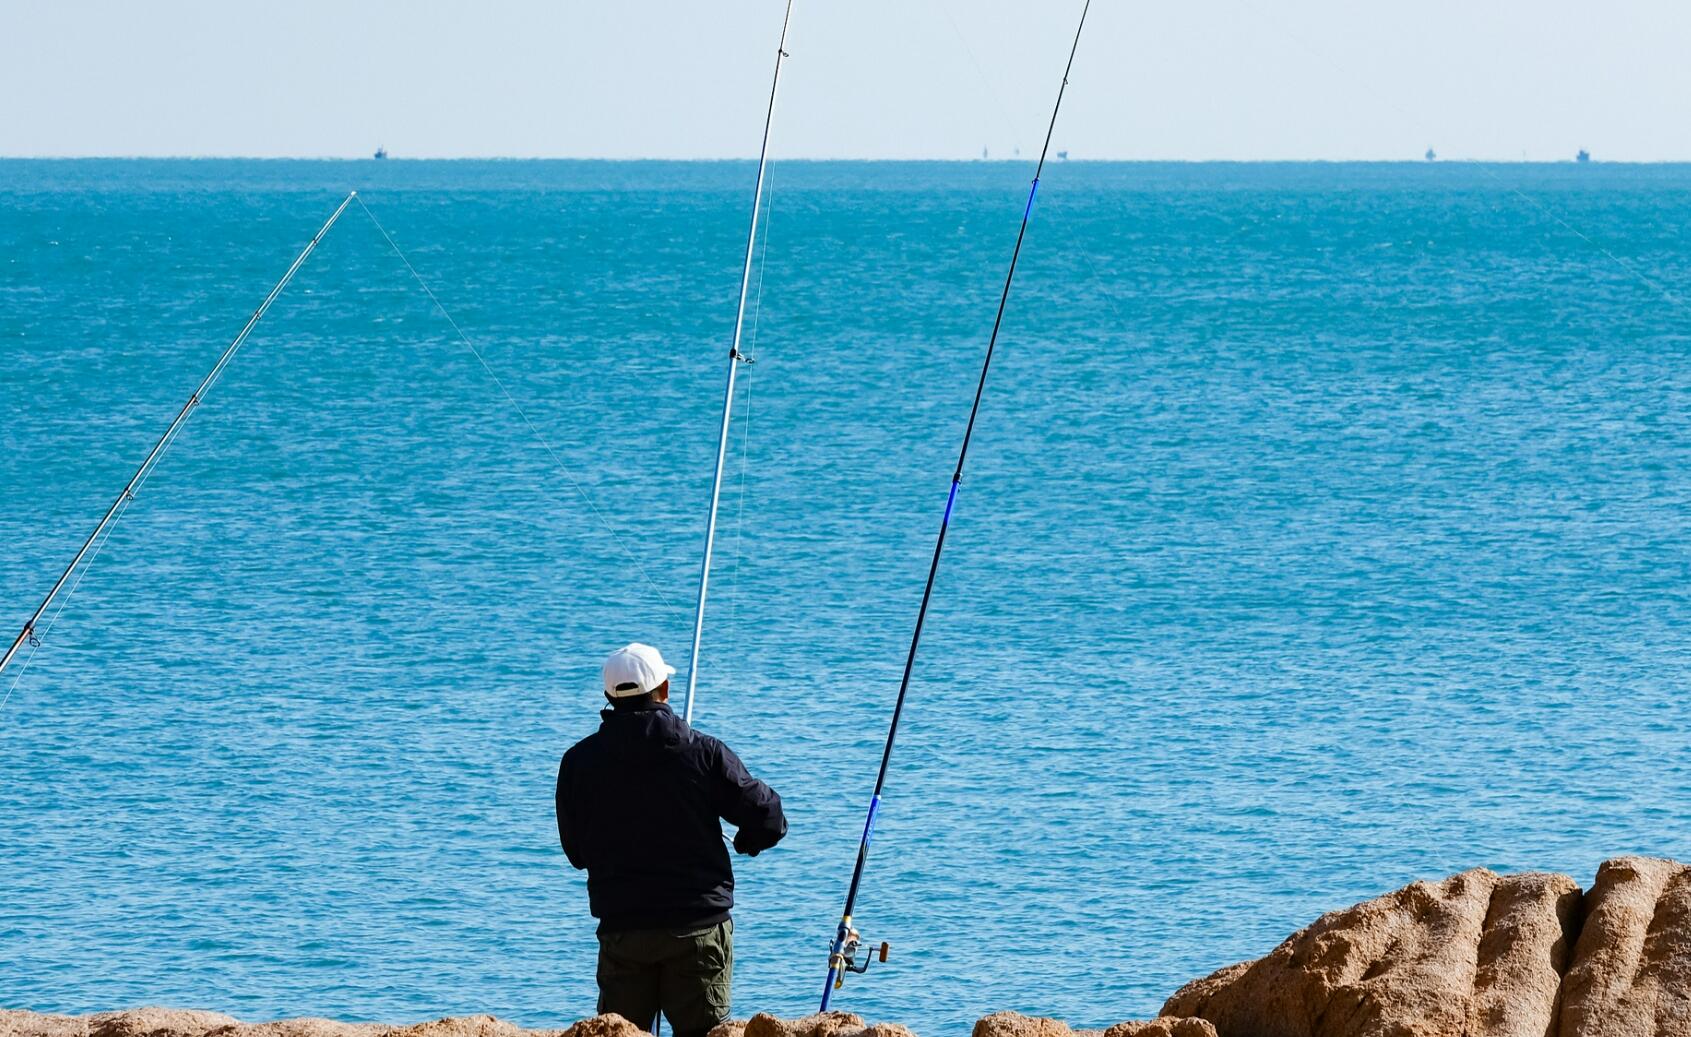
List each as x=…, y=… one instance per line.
x=638, y=808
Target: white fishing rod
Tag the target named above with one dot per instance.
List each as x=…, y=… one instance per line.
x=735, y=359
x=28, y=635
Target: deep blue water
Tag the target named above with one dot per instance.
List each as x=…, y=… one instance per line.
x=1326, y=528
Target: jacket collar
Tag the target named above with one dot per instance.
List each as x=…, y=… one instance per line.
x=636, y=709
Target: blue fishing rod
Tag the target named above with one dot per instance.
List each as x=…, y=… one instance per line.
x=842, y=956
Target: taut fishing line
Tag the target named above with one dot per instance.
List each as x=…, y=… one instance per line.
x=39, y=639
x=746, y=422
x=980, y=72
x=533, y=429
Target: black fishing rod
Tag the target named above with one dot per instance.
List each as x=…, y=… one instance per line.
x=842, y=957
x=29, y=633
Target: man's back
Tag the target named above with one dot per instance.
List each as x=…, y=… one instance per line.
x=638, y=807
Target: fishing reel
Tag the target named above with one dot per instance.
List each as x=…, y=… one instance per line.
x=844, y=959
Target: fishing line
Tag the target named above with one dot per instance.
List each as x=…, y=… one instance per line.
x=992, y=91
x=763, y=260
x=40, y=638
x=740, y=510
x=533, y=429
x=842, y=955
x=746, y=427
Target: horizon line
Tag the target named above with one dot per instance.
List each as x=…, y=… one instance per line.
x=1418, y=161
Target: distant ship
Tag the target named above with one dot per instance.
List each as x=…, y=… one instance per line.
x=1583, y=156
x=381, y=152
x=1432, y=156
x=1062, y=156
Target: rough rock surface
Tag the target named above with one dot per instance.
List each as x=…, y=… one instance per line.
x=175, y=1022
x=157, y=1022
x=611, y=1025
x=1014, y=1024
x=1476, y=955
x=1163, y=1026
x=825, y=1024
x=310, y=1027
x=18, y=1024
x=1632, y=966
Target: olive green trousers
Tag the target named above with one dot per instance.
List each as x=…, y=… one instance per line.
x=685, y=974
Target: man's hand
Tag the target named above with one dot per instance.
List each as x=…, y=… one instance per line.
x=746, y=843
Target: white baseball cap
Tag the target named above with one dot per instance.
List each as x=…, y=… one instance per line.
x=635, y=670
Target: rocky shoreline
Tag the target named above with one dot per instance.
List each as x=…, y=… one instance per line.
x=1474, y=955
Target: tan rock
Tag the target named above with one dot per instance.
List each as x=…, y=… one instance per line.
x=166, y=1022
x=1475, y=955
x=1524, y=948
x=1163, y=1026
x=1189, y=999
x=823, y=1024
x=826, y=1024
x=1383, y=966
x=608, y=1025
x=154, y=1021
x=172, y=1022
x=34, y=1024
x=463, y=1026
x=1015, y=1024
x=1631, y=974
x=309, y=1026
x=765, y=1025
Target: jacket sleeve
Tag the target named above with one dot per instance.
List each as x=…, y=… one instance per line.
x=569, y=829
x=747, y=804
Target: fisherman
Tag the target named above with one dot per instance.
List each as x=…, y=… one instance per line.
x=639, y=803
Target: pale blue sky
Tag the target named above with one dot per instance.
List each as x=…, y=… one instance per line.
x=1242, y=79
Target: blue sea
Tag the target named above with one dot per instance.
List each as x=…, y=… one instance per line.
x=1325, y=528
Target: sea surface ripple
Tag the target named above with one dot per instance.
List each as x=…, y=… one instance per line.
x=1326, y=528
